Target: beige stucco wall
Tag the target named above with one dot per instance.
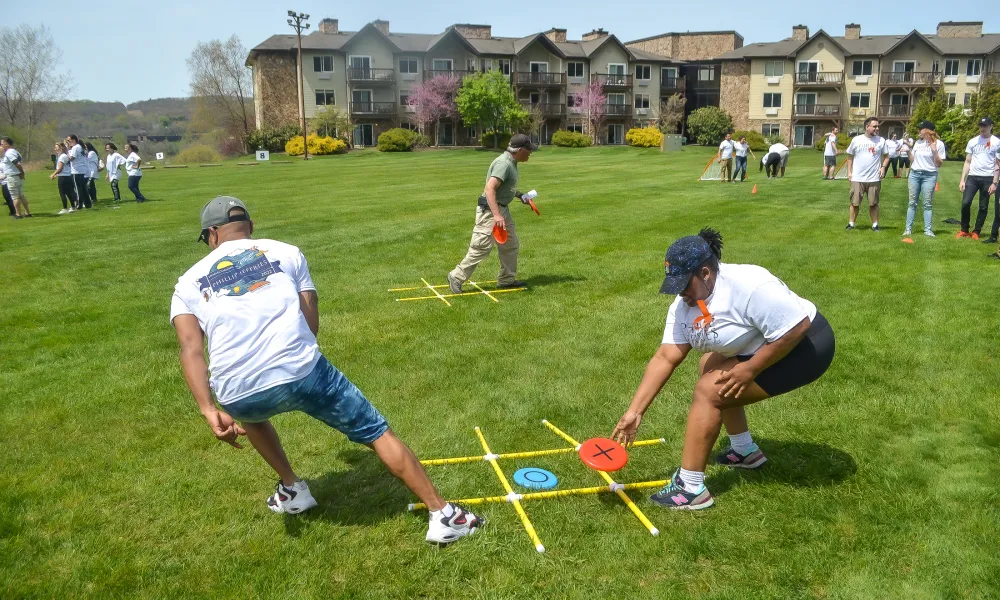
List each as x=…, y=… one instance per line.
x=453, y=49
x=829, y=56
x=759, y=86
x=536, y=52
x=610, y=52
x=337, y=81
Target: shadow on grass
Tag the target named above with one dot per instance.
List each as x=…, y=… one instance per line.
x=799, y=464
x=363, y=494
x=544, y=280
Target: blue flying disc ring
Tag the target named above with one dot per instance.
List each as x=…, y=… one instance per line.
x=535, y=479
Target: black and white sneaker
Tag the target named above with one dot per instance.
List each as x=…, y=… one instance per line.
x=292, y=499
x=849, y=227
x=445, y=530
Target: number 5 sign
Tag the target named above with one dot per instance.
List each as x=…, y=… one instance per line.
x=263, y=155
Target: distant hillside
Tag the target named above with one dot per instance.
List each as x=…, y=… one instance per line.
x=88, y=118
x=164, y=107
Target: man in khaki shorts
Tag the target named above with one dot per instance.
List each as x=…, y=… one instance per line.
x=867, y=159
x=500, y=191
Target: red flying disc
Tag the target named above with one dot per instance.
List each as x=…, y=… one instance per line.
x=499, y=234
x=531, y=203
x=602, y=454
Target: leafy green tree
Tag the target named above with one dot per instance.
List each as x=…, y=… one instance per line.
x=488, y=99
x=708, y=125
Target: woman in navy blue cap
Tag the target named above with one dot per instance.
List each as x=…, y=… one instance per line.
x=759, y=340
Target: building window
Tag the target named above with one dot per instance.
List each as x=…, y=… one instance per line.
x=408, y=125
x=504, y=65
x=769, y=129
x=404, y=98
x=574, y=69
x=486, y=64
x=706, y=73
x=323, y=64
x=861, y=100
x=861, y=67
x=967, y=100
x=951, y=99
x=325, y=98
x=441, y=64
x=575, y=127
x=642, y=100
x=774, y=68
x=772, y=100
x=668, y=74
x=973, y=67
x=642, y=72
x=408, y=65
x=951, y=67
x=572, y=100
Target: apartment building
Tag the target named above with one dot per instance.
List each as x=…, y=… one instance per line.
x=371, y=72
x=802, y=86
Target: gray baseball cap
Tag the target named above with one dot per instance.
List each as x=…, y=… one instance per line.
x=216, y=213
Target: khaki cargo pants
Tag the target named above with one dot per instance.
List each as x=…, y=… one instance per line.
x=481, y=244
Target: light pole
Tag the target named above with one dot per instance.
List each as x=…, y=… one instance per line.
x=298, y=23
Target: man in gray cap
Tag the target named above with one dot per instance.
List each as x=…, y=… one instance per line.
x=500, y=191
x=255, y=301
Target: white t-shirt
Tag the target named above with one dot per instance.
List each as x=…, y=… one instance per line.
x=984, y=155
x=779, y=148
x=892, y=148
x=130, y=165
x=831, y=145
x=750, y=307
x=78, y=161
x=92, y=164
x=64, y=161
x=9, y=162
x=741, y=149
x=245, y=294
x=923, y=156
x=867, y=157
x=726, y=149
x=113, y=164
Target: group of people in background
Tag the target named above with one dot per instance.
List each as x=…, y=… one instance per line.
x=731, y=151
x=77, y=169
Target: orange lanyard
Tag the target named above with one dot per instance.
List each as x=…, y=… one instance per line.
x=705, y=318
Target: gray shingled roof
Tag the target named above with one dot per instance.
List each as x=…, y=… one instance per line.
x=869, y=45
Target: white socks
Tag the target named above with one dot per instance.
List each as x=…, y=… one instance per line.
x=445, y=512
x=742, y=443
x=851, y=223
x=693, y=480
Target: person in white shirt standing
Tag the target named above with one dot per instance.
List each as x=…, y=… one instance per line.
x=13, y=172
x=866, y=163
x=905, y=151
x=759, y=340
x=113, y=163
x=892, y=146
x=255, y=301
x=927, y=155
x=977, y=176
x=782, y=151
x=94, y=166
x=726, y=158
x=79, y=168
x=134, y=172
x=742, y=147
x=830, y=153
x=64, y=179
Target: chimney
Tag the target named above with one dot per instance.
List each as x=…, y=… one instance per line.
x=595, y=34
x=960, y=29
x=852, y=31
x=800, y=32
x=474, y=32
x=329, y=26
x=556, y=35
x=382, y=26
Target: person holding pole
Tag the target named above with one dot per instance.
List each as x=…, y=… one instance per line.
x=759, y=340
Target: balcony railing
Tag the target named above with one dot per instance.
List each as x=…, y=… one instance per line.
x=672, y=84
x=373, y=108
x=546, y=108
x=910, y=78
x=532, y=78
x=616, y=110
x=819, y=79
x=371, y=75
x=898, y=111
x=612, y=79
x=432, y=73
x=817, y=110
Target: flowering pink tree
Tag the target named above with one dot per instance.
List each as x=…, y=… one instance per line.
x=592, y=104
x=433, y=100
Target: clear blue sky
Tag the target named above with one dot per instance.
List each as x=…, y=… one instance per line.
x=167, y=31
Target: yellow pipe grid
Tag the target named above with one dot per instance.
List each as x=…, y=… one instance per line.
x=481, y=291
x=515, y=499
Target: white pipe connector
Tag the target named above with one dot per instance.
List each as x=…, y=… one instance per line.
x=540, y=548
x=578, y=446
x=654, y=531
x=409, y=507
x=614, y=487
x=491, y=456
x=514, y=497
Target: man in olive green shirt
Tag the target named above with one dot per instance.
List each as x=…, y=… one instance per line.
x=500, y=191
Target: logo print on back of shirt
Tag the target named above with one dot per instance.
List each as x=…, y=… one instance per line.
x=238, y=274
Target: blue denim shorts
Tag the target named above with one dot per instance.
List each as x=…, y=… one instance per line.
x=325, y=394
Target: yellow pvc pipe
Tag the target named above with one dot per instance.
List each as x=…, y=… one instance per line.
x=440, y=296
x=621, y=494
x=517, y=505
x=420, y=287
x=488, y=295
x=526, y=454
x=436, y=293
x=550, y=494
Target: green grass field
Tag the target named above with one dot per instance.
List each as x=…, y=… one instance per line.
x=883, y=475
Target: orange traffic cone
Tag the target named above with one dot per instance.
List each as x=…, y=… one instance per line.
x=754, y=190
x=937, y=186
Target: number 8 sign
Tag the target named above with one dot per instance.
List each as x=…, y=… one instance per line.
x=263, y=155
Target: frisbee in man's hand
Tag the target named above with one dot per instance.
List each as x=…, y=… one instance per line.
x=500, y=234
x=531, y=203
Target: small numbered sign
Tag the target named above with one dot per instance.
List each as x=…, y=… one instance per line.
x=159, y=156
x=263, y=155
